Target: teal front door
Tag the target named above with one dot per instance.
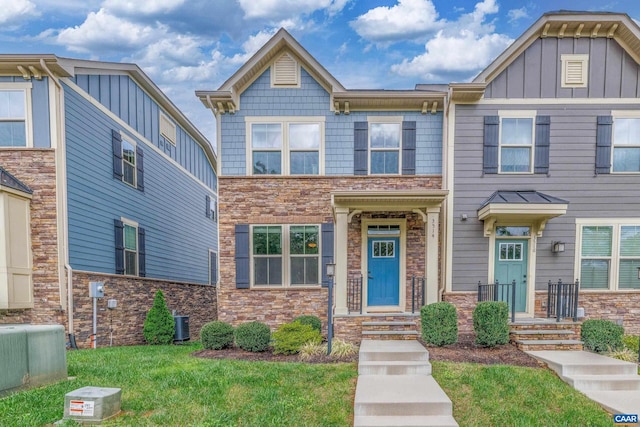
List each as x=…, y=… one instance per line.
x=383, y=261
x=512, y=264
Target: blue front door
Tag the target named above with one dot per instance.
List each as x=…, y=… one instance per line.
x=383, y=271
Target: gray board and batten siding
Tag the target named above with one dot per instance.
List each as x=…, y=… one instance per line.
x=171, y=208
x=537, y=72
x=39, y=109
x=571, y=176
x=124, y=98
x=311, y=99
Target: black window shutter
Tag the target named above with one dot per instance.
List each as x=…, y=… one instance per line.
x=142, y=261
x=119, y=235
x=360, y=148
x=207, y=202
x=326, y=230
x=490, y=152
x=116, y=142
x=213, y=268
x=140, y=168
x=543, y=139
x=408, y=148
x=603, y=144
x=242, y=256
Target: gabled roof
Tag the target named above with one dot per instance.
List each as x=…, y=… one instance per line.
x=38, y=65
x=560, y=24
x=227, y=97
x=9, y=181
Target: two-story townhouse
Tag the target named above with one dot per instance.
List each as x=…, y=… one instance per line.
x=103, y=179
x=311, y=173
x=544, y=149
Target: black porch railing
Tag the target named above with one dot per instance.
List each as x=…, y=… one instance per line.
x=499, y=292
x=354, y=294
x=417, y=292
x=562, y=300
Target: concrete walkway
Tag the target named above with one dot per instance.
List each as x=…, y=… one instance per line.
x=614, y=384
x=395, y=387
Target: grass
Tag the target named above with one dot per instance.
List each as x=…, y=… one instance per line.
x=164, y=385
x=500, y=395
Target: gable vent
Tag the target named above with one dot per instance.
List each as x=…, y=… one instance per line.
x=285, y=72
x=167, y=129
x=574, y=70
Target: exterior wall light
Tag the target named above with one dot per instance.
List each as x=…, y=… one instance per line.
x=557, y=247
x=331, y=269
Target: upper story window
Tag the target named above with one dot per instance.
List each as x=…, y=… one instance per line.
x=385, y=147
x=516, y=144
x=626, y=144
x=574, y=70
x=14, y=111
x=285, y=146
x=128, y=160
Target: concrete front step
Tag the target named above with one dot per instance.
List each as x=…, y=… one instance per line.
x=616, y=402
x=400, y=395
x=604, y=382
x=542, y=345
x=543, y=334
x=390, y=335
x=567, y=364
x=406, y=421
x=374, y=350
x=394, y=367
x=531, y=324
x=389, y=323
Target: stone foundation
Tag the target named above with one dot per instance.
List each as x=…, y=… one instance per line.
x=465, y=303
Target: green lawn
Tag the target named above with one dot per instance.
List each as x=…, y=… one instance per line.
x=165, y=386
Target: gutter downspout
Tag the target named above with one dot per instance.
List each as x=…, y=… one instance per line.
x=445, y=136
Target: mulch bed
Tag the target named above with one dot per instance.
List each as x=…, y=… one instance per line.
x=465, y=350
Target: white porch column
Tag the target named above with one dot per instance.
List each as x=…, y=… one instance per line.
x=341, y=238
x=432, y=228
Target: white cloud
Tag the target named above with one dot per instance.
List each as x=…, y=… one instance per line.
x=281, y=9
x=252, y=45
x=16, y=10
x=408, y=19
x=517, y=14
x=142, y=7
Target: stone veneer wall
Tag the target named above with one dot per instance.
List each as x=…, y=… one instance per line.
x=299, y=200
x=134, y=296
x=36, y=168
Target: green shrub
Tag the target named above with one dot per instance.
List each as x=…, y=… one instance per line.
x=491, y=323
x=159, y=326
x=439, y=323
x=252, y=336
x=601, y=335
x=290, y=337
x=313, y=321
x=216, y=335
x=631, y=342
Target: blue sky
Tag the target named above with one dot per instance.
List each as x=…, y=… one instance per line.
x=184, y=45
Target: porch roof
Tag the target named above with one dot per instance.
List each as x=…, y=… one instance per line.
x=8, y=181
x=520, y=206
x=360, y=201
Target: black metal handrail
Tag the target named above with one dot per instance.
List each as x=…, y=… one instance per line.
x=562, y=300
x=354, y=294
x=417, y=292
x=499, y=292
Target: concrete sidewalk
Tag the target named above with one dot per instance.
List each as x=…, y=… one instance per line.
x=614, y=384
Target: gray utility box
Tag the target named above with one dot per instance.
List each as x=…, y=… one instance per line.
x=182, y=328
x=92, y=404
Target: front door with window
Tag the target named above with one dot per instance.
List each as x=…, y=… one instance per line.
x=383, y=286
x=512, y=264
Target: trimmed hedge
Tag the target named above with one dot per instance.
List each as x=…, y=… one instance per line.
x=216, y=335
x=601, y=335
x=439, y=323
x=313, y=321
x=491, y=323
x=252, y=336
x=290, y=337
x=159, y=326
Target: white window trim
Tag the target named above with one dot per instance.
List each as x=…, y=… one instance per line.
x=568, y=58
x=622, y=114
x=616, y=224
x=134, y=224
x=378, y=120
x=131, y=141
x=285, y=151
x=28, y=110
x=169, y=129
x=517, y=114
x=286, y=257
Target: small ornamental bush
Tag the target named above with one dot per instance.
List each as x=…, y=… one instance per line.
x=342, y=349
x=252, y=336
x=216, y=335
x=290, y=337
x=313, y=321
x=439, y=323
x=491, y=323
x=631, y=342
x=159, y=326
x=601, y=335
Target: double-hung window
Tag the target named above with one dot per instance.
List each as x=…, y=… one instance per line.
x=609, y=254
x=626, y=144
x=384, y=144
x=285, y=255
x=130, y=249
x=14, y=110
x=516, y=142
x=281, y=146
x=128, y=162
x=130, y=246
